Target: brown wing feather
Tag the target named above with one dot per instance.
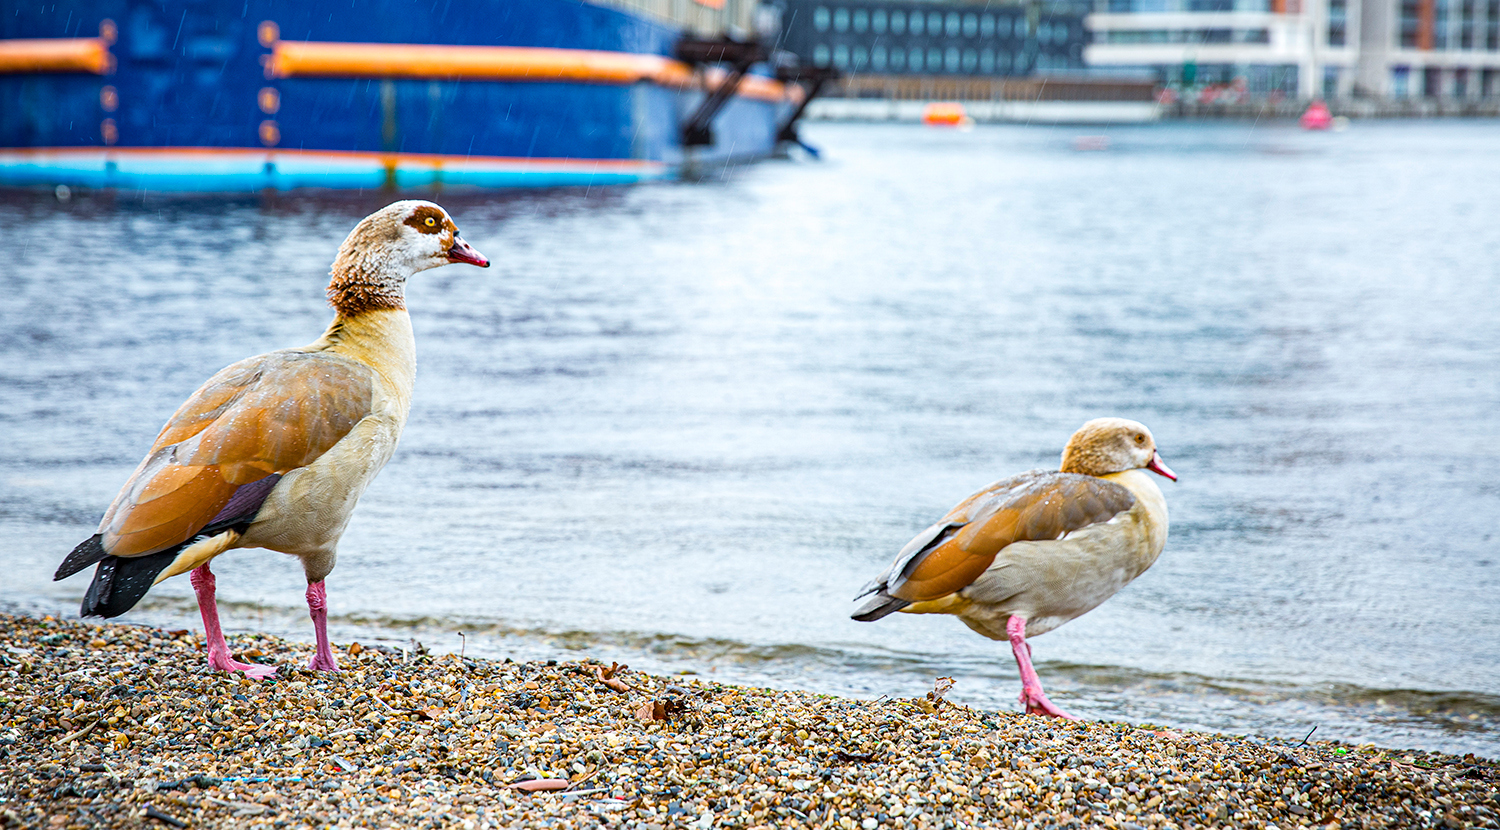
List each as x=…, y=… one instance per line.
x=1027, y=508
x=269, y=414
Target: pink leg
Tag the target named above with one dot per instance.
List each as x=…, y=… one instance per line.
x=317, y=608
x=218, y=650
x=1032, y=696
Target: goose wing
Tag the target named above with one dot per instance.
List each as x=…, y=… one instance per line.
x=260, y=417
x=947, y=557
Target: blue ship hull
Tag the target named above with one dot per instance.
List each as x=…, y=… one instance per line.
x=191, y=103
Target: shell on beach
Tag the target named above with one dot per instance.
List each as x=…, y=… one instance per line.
x=118, y=726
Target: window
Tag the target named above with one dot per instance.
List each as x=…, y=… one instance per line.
x=1044, y=32
x=841, y=20
x=1408, y=32
x=841, y=56
x=971, y=25
x=861, y=57
x=934, y=59
x=898, y=22
x=1003, y=27
x=820, y=18
x=1338, y=21
x=987, y=26
x=898, y=59
x=877, y=58
x=1041, y=61
x=820, y=55
x=1002, y=62
x=953, y=24
x=914, y=60
x=1020, y=62
x=916, y=23
x=877, y=21
x=971, y=61
x=861, y=20
x=986, y=61
x=934, y=24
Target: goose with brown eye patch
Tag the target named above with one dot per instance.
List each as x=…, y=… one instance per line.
x=274, y=451
x=1028, y=553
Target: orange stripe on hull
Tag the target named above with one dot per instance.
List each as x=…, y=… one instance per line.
x=62, y=54
x=314, y=59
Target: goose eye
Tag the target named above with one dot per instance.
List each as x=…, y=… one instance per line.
x=431, y=222
x=1140, y=439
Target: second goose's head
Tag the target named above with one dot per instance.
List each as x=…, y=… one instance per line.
x=1113, y=445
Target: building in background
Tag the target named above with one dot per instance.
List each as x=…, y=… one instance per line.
x=1021, y=61
x=905, y=39
x=1304, y=48
x=702, y=17
x=1430, y=48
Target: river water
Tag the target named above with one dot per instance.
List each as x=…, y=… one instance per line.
x=679, y=425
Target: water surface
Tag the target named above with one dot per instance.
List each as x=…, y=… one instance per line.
x=679, y=425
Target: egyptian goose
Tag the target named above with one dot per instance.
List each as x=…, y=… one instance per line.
x=1028, y=553
x=274, y=451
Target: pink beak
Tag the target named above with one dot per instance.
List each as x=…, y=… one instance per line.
x=1157, y=466
x=464, y=252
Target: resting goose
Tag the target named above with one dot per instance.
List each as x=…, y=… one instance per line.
x=274, y=451
x=1028, y=553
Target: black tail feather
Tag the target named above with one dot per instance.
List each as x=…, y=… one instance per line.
x=879, y=606
x=120, y=582
x=87, y=553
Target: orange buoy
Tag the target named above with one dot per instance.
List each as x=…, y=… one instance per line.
x=945, y=114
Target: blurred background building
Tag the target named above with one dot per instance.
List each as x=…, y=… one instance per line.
x=1225, y=49
x=1306, y=48
x=913, y=39
x=1022, y=61
x=703, y=17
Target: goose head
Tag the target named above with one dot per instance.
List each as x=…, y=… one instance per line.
x=413, y=234
x=1113, y=445
x=390, y=245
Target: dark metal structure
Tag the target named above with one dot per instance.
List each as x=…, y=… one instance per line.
x=811, y=79
x=738, y=56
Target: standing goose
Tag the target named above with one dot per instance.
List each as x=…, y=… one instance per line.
x=274, y=451
x=1028, y=553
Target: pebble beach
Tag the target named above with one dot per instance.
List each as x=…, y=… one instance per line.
x=123, y=726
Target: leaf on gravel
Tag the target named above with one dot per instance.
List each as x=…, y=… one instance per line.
x=607, y=677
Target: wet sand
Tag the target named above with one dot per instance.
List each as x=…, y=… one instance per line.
x=123, y=726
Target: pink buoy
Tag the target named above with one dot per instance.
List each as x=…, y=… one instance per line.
x=1317, y=117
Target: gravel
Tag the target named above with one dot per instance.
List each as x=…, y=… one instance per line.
x=122, y=727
